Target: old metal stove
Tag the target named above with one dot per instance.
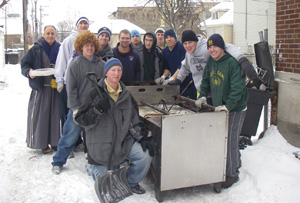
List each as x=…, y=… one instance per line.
x=191, y=146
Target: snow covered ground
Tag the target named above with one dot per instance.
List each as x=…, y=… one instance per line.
x=269, y=173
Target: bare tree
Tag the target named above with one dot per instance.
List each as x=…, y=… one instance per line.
x=4, y=2
x=180, y=14
x=64, y=28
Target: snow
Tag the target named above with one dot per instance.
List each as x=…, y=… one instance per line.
x=269, y=173
x=225, y=19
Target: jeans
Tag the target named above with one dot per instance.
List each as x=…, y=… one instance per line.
x=67, y=141
x=140, y=163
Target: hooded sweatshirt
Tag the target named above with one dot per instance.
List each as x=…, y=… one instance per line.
x=196, y=62
x=151, y=62
x=64, y=57
x=77, y=83
x=223, y=79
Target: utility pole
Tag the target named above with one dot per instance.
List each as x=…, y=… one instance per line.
x=41, y=17
x=25, y=26
x=36, y=21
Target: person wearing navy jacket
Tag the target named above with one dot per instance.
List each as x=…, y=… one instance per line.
x=173, y=55
x=128, y=57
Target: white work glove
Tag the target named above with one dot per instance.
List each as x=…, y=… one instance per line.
x=60, y=88
x=165, y=82
x=221, y=108
x=74, y=114
x=200, y=101
x=160, y=80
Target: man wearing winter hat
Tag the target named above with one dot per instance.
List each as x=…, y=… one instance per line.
x=105, y=51
x=159, y=32
x=64, y=57
x=173, y=55
x=197, y=56
x=109, y=113
x=136, y=39
x=151, y=58
x=222, y=77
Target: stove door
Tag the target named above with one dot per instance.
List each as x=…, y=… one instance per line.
x=193, y=149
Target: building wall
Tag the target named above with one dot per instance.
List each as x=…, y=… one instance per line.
x=2, y=61
x=224, y=31
x=251, y=17
x=288, y=36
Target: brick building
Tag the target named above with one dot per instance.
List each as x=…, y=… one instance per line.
x=288, y=35
x=286, y=103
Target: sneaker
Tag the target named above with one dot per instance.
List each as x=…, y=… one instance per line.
x=54, y=148
x=230, y=181
x=56, y=170
x=46, y=150
x=138, y=189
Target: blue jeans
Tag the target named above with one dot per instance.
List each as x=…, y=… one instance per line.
x=140, y=163
x=67, y=141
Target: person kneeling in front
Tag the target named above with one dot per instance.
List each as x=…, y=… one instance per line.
x=110, y=117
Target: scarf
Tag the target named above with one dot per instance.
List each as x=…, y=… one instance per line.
x=51, y=51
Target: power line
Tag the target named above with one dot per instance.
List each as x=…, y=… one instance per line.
x=254, y=14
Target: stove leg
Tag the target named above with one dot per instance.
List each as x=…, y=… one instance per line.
x=159, y=195
x=218, y=187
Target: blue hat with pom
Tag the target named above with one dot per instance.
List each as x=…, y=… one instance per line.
x=112, y=62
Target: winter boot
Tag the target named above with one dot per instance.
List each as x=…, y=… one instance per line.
x=138, y=189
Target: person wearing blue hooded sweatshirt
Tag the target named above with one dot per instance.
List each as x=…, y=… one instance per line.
x=129, y=58
x=150, y=58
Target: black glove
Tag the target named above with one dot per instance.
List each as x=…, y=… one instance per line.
x=247, y=68
x=174, y=82
x=103, y=105
x=147, y=144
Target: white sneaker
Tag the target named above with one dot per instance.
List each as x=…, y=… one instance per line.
x=56, y=170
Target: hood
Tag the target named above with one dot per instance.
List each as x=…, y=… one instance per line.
x=154, y=39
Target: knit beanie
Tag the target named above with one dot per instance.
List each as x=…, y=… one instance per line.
x=112, y=62
x=81, y=19
x=104, y=30
x=216, y=40
x=135, y=33
x=159, y=29
x=171, y=33
x=189, y=35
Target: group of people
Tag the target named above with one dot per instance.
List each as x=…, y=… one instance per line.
x=71, y=102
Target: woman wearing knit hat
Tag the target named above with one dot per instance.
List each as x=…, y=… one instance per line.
x=112, y=114
x=86, y=44
x=222, y=78
x=197, y=56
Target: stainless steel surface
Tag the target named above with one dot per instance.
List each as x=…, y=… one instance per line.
x=193, y=149
x=153, y=93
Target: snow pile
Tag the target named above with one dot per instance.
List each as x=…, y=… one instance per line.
x=269, y=173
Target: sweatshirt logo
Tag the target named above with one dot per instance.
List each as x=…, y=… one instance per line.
x=198, y=63
x=131, y=58
x=217, y=77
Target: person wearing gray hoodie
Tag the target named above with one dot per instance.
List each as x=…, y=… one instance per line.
x=197, y=56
